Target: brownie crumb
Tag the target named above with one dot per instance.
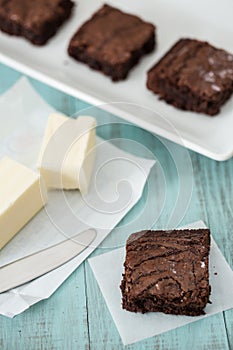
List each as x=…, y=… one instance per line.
x=37, y=21
x=194, y=76
x=167, y=271
x=112, y=42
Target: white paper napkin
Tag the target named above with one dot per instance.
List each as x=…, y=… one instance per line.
x=134, y=327
x=23, y=116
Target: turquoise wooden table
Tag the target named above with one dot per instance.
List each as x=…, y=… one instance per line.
x=76, y=316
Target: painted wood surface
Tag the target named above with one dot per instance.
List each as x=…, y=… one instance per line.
x=76, y=316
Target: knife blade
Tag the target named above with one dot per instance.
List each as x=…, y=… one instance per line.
x=35, y=265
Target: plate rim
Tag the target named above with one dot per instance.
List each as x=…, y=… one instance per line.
x=90, y=98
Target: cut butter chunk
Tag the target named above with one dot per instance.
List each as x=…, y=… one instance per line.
x=22, y=195
x=67, y=153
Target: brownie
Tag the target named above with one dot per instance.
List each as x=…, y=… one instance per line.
x=167, y=271
x=36, y=20
x=112, y=42
x=194, y=76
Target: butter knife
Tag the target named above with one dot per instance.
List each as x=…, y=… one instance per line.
x=35, y=265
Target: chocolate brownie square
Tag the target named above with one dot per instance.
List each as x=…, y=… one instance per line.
x=194, y=76
x=112, y=42
x=36, y=21
x=167, y=271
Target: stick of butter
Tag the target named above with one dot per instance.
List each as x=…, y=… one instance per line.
x=22, y=195
x=67, y=153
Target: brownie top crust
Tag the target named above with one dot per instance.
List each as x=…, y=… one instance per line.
x=170, y=264
x=111, y=35
x=32, y=15
x=198, y=66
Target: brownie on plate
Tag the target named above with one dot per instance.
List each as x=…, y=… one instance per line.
x=36, y=21
x=167, y=271
x=194, y=76
x=112, y=42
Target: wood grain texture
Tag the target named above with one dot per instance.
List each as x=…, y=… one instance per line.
x=57, y=323
x=76, y=316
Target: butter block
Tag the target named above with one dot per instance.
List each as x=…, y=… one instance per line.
x=67, y=153
x=22, y=195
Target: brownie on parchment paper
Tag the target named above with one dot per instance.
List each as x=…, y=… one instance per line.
x=36, y=20
x=193, y=75
x=167, y=271
x=112, y=42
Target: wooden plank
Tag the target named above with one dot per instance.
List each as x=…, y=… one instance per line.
x=216, y=179
x=62, y=321
x=8, y=77
x=57, y=323
x=206, y=334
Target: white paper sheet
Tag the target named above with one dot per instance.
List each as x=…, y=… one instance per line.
x=23, y=116
x=134, y=327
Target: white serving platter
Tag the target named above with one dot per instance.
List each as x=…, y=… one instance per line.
x=209, y=20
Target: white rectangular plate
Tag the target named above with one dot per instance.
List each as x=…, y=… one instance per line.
x=209, y=20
